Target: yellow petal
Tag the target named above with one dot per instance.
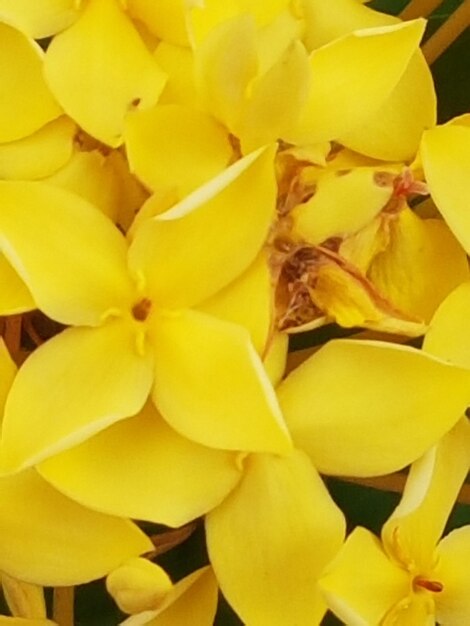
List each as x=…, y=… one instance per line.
x=98, y=84
x=70, y=388
x=52, y=541
x=26, y=104
x=138, y=585
x=7, y=374
x=362, y=584
x=275, y=359
x=453, y=603
x=388, y=396
x=410, y=272
x=271, y=538
x=445, y=152
x=141, y=468
x=40, y=154
x=43, y=232
x=210, y=385
x=39, y=19
x=164, y=18
x=353, y=76
x=327, y=21
x=344, y=202
x=229, y=50
x=93, y=177
x=247, y=301
x=173, y=145
x=203, y=243
x=448, y=336
x=276, y=98
x=15, y=297
x=394, y=131
x=178, y=64
x=19, y=621
x=411, y=533
x=24, y=600
x=192, y=600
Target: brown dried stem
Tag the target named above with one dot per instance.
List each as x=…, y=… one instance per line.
x=62, y=609
x=419, y=8
x=448, y=32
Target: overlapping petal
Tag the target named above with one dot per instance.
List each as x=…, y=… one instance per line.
x=448, y=336
x=50, y=540
x=7, y=374
x=26, y=103
x=69, y=285
x=453, y=553
x=271, y=538
x=40, y=154
x=362, y=584
x=384, y=391
x=178, y=64
x=164, y=18
x=176, y=146
x=141, y=468
x=394, y=131
x=247, y=301
x=98, y=84
x=15, y=297
x=39, y=19
x=201, y=244
x=210, y=384
x=23, y=599
x=445, y=153
x=73, y=386
x=353, y=76
x=411, y=534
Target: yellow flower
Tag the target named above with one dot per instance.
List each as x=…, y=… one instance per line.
x=135, y=325
x=410, y=579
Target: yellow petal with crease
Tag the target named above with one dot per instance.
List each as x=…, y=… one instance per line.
x=192, y=600
x=44, y=231
x=141, y=468
x=98, y=84
x=411, y=273
x=26, y=103
x=208, y=239
x=275, y=357
x=173, y=145
x=388, y=396
x=448, y=336
x=276, y=98
x=15, y=297
x=353, y=76
x=325, y=22
x=271, y=538
x=445, y=153
x=7, y=374
x=394, y=131
x=344, y=202
x=210, y=385
x=230, y=50
x=70, y=388
x=247, y=301
x=453, y=603
x=52, y=541
x=362, y=584
x=411, y=533
x=164, y=18
x=39, y=19
x=40, y=154
x=178, y=64
x=24, y=600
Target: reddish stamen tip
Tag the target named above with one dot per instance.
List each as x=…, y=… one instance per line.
x=429, y=585
x=141, y=310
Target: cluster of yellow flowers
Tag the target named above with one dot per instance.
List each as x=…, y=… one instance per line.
x=184, y=184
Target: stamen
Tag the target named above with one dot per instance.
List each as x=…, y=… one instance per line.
x=141, y=310
x=429, y=585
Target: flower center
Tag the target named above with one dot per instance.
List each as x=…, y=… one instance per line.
x=141, y=310
x=429, y=585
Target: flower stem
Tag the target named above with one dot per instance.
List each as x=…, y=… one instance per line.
x=62, y=611
x=419, y=8
x=447, y=33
